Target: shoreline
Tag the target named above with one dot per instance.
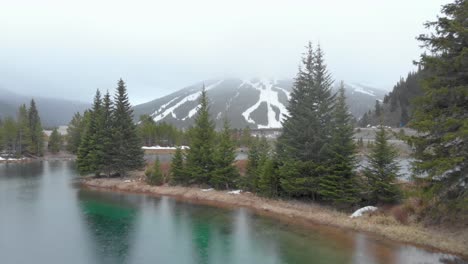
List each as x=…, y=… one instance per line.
x=452, y=242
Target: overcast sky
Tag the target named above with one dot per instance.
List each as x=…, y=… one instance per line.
x=67, y=49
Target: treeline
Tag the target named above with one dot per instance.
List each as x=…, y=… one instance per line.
x=105, y=137
x=313, y=159
x=161, y=134
x=397, y=106
x=23, y=135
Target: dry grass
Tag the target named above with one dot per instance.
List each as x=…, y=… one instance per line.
x=381, y=223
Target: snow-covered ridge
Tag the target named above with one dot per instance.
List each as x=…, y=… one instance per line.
x=359, y=89
x=164, y=110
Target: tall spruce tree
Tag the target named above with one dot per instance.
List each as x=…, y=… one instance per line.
x=200, y=155
x=339, y=184
x=178, y=172
x=106, y=136
x=296, y=140
x=441, y=114
x=306, y=138
x=225, y=174
x=128, y=154
x=35, y=127
x=382, y=170
x=89, y=158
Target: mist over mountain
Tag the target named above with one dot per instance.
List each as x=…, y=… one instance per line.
x=257, y=103
x=53, y=112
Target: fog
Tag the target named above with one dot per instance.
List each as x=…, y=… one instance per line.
x=68, y=49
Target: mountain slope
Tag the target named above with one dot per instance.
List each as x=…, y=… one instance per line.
x=258, y=103
x=53, y=112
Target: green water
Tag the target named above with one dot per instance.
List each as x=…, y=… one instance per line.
x=46, y=218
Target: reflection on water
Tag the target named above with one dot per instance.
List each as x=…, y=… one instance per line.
x=44, y=218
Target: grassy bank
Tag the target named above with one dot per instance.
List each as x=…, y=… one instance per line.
x=441, y=239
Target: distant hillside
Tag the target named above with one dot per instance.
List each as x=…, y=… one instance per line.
x=397, y=106
x=258, y=103
x=53, y=112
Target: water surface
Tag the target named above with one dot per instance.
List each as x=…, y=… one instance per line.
x=46, y=218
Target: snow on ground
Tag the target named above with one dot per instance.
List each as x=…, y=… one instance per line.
x=207, y=190
x=163, y=111
x=360, y=212
x=159, y=147
x=12, y=159
x=235, y=192
x=270, y=97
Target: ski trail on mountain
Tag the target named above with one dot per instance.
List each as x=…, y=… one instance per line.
x=270, y=97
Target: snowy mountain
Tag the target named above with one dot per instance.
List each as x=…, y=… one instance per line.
x=258, y=103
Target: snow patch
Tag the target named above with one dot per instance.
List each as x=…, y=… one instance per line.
x=159, y=147
x=360, y=212
x=207, y=190
x=235, y=192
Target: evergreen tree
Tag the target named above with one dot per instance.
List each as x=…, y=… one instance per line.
x=306, y=137
x=339, y=184
x=154, y=175
x=55, y=141
x=24, y=131
x=128, y=154
x=200, y=155
x=35, y=127
x=441, y=114
x=225, y=174
x=268, y=183
x=378, y=109
x=106, y=136
x=90, y=152
x=178, y=172
x=259, y=152
x=382, y=170
x=246, y=137
x=10, y=132
x=75, y=132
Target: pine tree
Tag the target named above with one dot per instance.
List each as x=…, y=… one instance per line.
x=35, y=127
x=268, y=183
x=89, y=158
x=55, y=141
x=106, y=136
x=339, y=184
x=225, y=175
x=306, y=137
x=382, y=170
x=378, y=109
x=75, y=132
x=24, y=131
x=10, y=132
x=200, y=154
x=154, y=175
x=246, y=137
x=441, y=114
x=259, y=152
x=128, y=154
x=295, y=141
x=178, y=172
